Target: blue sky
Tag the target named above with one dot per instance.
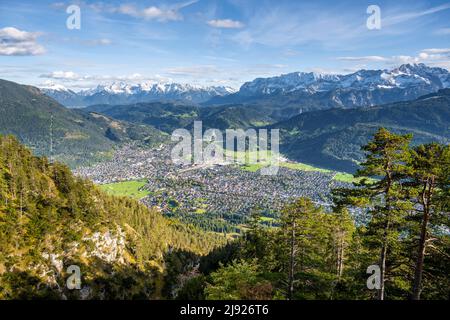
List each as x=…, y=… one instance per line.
x=212, y=42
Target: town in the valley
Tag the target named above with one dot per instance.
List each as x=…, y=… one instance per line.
x=222, y=192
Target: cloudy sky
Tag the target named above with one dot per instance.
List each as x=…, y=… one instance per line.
x=212, y=42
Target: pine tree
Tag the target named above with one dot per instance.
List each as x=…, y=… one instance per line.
x=382, y=194
x=296, y=228
x=429, y=183
x=342, y=229
x=255, y=242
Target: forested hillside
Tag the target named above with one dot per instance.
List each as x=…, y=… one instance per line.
x=50, y=220
x=333, y=138
x=170, y=116
x=71, y=136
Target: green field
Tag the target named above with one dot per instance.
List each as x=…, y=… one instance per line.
x=132, y=189
x=345, y=177
x=252, y=167
x=302, y=167
x=339, y=176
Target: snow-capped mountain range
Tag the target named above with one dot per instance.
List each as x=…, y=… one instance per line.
x=124, y=93
x=312, y=91
x=307, y=91
x=402, y=77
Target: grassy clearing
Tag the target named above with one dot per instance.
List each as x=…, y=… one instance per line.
x=263, y=156
x=290, y=165
x=201, y=206
x=252, y=167
x=267, y=219
x=302, y=167
x=345, y=177
x=339, y=176
x=200, y=211
x=130, y=189
x=349, y=178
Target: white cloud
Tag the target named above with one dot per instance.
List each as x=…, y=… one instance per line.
x=202, y=74
x=155, y=13
x=401, y=59
x=160, y=14
x=15, y=42
x=363, y=58
x=423, y=55
x=99, y=42
x=225, y=23
x=61, y=75
x=70, y=76
x=439, y=57
x=435, y=50
x=150, y=13
x=75, y=81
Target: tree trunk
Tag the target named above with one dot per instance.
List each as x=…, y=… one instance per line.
x=421, y=250
x=382, y=271
x=383, y=255
x=341, y=259
x=291, y=264
x=384, y=246
x=419, y=263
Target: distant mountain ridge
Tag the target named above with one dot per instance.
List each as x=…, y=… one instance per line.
x=305, y=91
x=333, y=138
x=402, y=77
x=73, y=136
x=315, y=91
x=329, y=138
x=126, y=93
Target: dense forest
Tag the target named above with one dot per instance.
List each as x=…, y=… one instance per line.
x=50, y=220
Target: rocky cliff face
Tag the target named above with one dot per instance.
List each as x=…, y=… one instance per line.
x=107, y=248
